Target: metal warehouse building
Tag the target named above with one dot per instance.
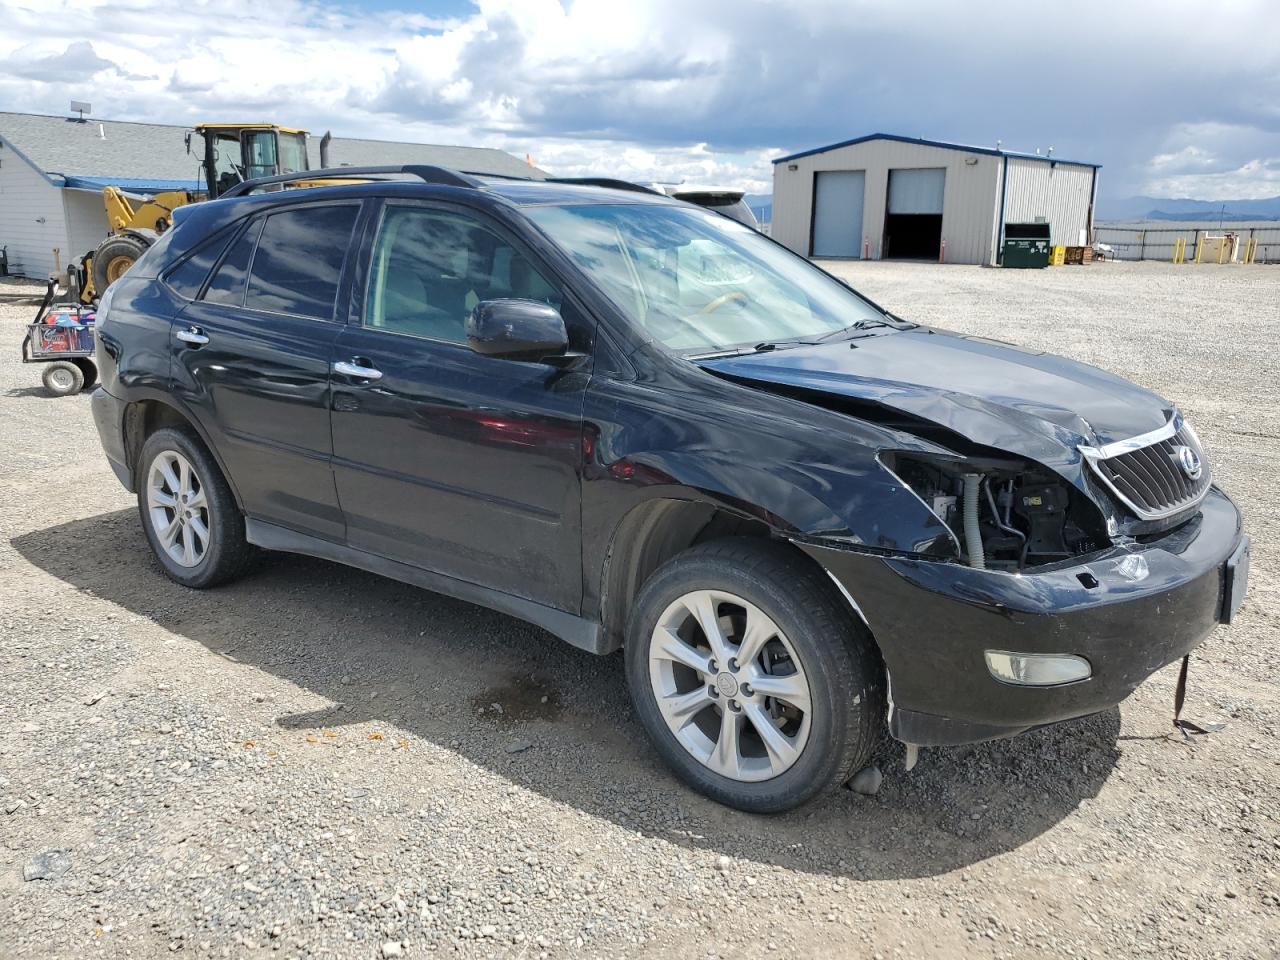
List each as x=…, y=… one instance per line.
x=885, y=196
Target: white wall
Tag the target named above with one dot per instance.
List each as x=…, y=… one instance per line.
x=1060, y=193
x=86, y=220
x=969, y=202
x=32, y=221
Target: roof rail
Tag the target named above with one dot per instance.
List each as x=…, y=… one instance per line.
x=518, y=177
x=611, y=182
x=428, y=174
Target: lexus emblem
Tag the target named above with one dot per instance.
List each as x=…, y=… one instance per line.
x=1189, y=461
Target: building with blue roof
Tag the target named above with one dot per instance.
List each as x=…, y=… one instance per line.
x=885, y=196
x=53, y=169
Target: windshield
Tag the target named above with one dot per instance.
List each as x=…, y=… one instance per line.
x=260, y=153
x=699, y=282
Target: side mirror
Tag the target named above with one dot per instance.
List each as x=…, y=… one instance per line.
x=517, y=330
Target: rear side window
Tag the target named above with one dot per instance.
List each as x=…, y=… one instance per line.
x=189, y=275
x=227, y=285
x=299, y=260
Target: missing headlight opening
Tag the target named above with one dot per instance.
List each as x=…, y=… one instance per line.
x=1026, y=515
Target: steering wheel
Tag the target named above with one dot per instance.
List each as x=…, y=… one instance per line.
x=720, y=301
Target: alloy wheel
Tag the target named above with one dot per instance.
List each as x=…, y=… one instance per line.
x=730, y=686
x=178, y=508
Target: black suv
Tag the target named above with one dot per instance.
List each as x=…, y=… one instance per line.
x=643, y=426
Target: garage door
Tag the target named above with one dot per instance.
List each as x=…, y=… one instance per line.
x=837, y=213
x=916, y=191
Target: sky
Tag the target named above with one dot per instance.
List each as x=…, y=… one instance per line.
x=1174, y=98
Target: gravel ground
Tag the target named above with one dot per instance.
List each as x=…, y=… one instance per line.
x=317, y=762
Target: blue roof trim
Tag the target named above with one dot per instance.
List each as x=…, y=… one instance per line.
x=131, y=185
x=942, y=144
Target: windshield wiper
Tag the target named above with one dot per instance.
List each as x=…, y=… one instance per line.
x=768, y=345
x=869, y=324
x=764, y=347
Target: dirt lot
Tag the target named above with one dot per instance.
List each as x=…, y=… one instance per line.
x=317, y=762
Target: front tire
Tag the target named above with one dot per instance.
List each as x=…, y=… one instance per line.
x=754, y=682
x=188, y=512
x=113, y=257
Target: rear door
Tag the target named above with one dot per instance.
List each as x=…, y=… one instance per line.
x=251, y=360
x=455, y=462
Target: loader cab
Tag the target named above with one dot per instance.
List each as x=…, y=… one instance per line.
x=237, y=152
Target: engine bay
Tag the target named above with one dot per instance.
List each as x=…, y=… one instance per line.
x=1004, y=514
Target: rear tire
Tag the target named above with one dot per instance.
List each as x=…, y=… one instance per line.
x=188, y=513
x=803, y=710
x=89, y=370
x=62, y=378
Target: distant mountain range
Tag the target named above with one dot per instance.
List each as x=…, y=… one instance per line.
x=1164, y=208
x=1132, y=208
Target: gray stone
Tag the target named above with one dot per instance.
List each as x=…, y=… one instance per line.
x=520, y=746
x=49, y=865
x=867, y=781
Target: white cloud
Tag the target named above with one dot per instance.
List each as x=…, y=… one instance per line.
x=681, y=89
x=1189, y=157
x=1216, y=161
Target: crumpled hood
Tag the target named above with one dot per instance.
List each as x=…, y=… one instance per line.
x=1036, y=405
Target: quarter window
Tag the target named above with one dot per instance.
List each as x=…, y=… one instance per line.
x=299, y=260
x=188, y=277
x=227, y=285
x=431, y=268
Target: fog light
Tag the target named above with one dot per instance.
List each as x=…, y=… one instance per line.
x=1037, y=669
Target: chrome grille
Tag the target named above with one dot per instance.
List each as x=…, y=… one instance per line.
x=1150, y=474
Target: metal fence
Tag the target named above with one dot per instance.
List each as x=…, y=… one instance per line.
x=1158, y=243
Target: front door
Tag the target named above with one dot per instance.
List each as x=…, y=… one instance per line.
x=455, y=462
x=251, y=360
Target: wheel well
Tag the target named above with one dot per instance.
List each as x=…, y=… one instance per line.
x=649, y=536
x=143, y=418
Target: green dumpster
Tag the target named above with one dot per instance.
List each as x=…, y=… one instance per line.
x=1026, y=245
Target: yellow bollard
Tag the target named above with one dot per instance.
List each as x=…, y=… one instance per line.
x=1199, y=247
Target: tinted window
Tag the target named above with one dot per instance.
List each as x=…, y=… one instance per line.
x=299, y=260
x=227, y=285
x=431, y=268
x=189, y=275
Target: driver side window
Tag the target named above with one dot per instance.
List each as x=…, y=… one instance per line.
x=430, y=268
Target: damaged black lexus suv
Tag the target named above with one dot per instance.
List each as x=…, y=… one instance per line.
x=648, y=428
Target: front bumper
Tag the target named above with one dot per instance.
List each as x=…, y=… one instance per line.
x=108, y=417
x=933, y=621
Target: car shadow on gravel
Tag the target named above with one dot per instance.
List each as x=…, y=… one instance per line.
x=514, y=700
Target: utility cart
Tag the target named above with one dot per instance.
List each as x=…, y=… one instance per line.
x=62, y=339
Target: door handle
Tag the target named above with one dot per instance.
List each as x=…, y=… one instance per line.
x=358, y=371
x=193, y=335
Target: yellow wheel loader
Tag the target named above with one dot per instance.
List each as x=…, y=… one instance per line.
x=229, y=154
